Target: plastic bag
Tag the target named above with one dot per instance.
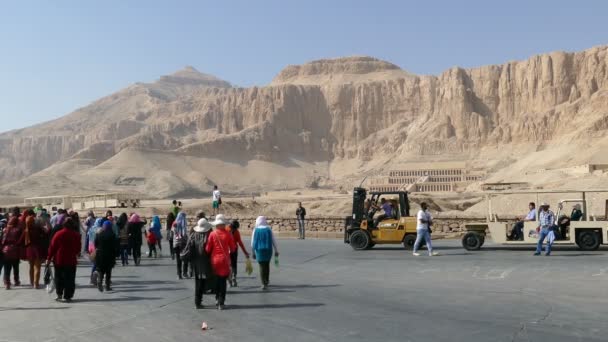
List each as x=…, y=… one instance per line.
x=276, y=261
x=48, y=274
x=49, y=280
x=248, y=266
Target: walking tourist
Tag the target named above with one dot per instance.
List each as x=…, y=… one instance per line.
x=547, y=221
x=262, y=245
x=91, y=235
x=123, y=238
x=63, y=252
x=151, y=239
x=217, y=200
x=156, y=229
x=135, y=237
x=11, y=248
x=301, y=216
x=89, y=222
x=199, y=258
x=234, y=257
x=105, y=257
x=170, y=235
x=35, y=253
x=423, y=230
x=175, y=209
x=219, y=247
x=180, y=236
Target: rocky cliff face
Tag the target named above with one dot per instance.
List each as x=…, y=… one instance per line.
x=331, y=110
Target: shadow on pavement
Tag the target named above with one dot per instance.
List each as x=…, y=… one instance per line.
x=260, y=291
x=34, y=309
x=109, y=299
x=276, y=306
x=118, y=288
x=303, y=286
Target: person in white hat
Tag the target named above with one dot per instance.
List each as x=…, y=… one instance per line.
x=547, y=221
x=199, y=259
x=219, y=247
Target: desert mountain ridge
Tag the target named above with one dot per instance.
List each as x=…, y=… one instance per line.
x=330, y=121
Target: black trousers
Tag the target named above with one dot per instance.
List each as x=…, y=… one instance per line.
x=8, y=266
x=65, y=281
x=199, y=289
x=220, y=290
x=517, y=233
x=234, y=259
x=171, y=249
x=136, y=254
x=182, y=264
x=107, y=275
x=265, y=272
x=151, y=248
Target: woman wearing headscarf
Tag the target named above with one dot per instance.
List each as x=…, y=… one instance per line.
x=262, y=244
x=234, y=257
x=123, y=236
x=12, y=240
x=34, y=249
x=135, y=237
x=91, y=234
x=89, y=222
x=197, y=241
x=219, y=247
x=63, y=252
x=180, y=236
x=155, y=228
x=105, y=257
x=57, y=223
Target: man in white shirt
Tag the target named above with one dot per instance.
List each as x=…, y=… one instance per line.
x=217, y=200
x=517, y=233
x=424, y=222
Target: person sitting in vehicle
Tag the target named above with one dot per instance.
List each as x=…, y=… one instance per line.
x=517, y=233
x=387, y=209
x=564, y=221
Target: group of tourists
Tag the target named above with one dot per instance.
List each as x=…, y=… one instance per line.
x=35, y=237
x=208, y=252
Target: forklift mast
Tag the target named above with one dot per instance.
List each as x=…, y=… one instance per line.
x=359, y=195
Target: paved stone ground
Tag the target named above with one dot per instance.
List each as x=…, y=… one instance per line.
x=324, y=291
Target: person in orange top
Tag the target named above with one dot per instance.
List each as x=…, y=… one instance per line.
x=234, y=257
x=219, y=247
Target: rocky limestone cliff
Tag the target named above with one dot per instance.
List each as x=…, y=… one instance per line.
x=331, y=110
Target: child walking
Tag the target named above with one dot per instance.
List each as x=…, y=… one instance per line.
x=151, y=237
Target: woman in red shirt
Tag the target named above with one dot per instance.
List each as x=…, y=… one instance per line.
x=63, y=252
x=234, y=257
x=219, y=247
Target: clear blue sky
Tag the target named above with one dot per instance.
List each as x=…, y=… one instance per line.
x=57, y=56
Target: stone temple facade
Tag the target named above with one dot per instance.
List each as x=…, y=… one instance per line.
x=428, y=177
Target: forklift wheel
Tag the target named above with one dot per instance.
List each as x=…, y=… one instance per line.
x=472, y=241
x=408, y=241
x=359, y=240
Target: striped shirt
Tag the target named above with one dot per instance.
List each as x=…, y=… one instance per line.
x=547, y=219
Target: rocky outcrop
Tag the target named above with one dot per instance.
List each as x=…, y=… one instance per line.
x=331, y=110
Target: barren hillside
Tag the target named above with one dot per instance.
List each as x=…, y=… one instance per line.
x=334, y=120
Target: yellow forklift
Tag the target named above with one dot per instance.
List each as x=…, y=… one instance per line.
x=362, y=232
